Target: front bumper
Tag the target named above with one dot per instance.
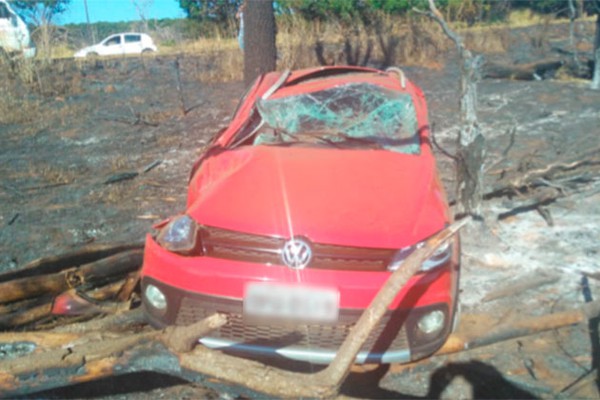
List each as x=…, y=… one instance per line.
x=395, y=340
x=197, y=287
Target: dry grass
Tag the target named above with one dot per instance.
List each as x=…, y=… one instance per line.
x=50, y=174
x=15, y=109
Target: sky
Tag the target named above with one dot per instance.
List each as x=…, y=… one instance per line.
x=119, y=10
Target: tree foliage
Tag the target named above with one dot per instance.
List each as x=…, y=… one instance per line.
x=40, y=12
x=218, y=11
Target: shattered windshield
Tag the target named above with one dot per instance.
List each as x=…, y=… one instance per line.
x=353, y=113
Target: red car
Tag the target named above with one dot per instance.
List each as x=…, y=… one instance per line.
x=323, y=183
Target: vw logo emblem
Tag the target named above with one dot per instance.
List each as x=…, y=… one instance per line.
x=296, y=253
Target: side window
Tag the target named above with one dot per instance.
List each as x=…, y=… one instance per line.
x=115, y=40
x=133, y=38
x=4, y=14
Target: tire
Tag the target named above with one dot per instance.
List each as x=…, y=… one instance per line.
x=92, y=55
x=147, y=51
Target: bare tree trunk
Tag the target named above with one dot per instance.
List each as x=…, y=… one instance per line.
x=260, y=52
x=572, y=17
x=596, y=77
x=471, y=143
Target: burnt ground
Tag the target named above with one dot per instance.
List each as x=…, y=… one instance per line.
x=77, y=126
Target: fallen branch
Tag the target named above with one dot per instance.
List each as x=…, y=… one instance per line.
x=526, y=283
x=94, y=272
x=67, y=358
x=67, y=303
x=558, y=177
x=123, y=176
x=533, y=71
x=337, y=371
x=48, y=265
x=85, y=362
x=60, y=359
x=525, y=327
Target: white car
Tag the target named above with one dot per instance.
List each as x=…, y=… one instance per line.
x=14, y=35
x=119, y=44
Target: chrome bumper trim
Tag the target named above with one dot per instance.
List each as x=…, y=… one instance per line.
x=315, y=356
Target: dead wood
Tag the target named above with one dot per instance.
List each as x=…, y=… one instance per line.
x=62, y=359
x=183, y=340
x=124, y=321
x=542, y=197
x=523, y=327
x=126, y=290
x=69, y=358
x=29, y=312
x=533, y=71
x=527, y=283
x=84, y=255
x=151, y=166
x=540, y=187
x=471, y=152
x=85, y=362
x=123, y=176
x=337, y=371
x=23, y=317
x=92, y=273
x=97, y=355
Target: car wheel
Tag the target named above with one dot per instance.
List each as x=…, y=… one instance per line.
x=92, y=55
x=147, y=51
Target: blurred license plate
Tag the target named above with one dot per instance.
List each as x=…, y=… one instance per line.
x=291, y=302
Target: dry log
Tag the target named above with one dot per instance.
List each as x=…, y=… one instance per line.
x=337, y=371
x=89, y=357
x=28, y=315
x=70, y=358
x=83, y=363
x=126, y=290
x=525, y=327
x=541, y=176
x=128, y=320
x=94, y=272
x=53, y=264
x=533, y=71
x=184, y=340
x=526, y=283
x=25, y=317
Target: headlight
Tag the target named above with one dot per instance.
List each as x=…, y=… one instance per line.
x=156, y=298
x=179, y=235
x=438, y=258
x=432, y=322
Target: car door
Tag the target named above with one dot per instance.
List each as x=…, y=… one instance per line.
x=113, y=45
x=132, y=43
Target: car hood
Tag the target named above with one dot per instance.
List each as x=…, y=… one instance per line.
x=84, y=50
x=370, y=198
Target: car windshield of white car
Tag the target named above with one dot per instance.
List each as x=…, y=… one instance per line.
x=356, y=114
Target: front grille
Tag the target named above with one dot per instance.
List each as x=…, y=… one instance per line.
x=232, y=245
x=313, y=336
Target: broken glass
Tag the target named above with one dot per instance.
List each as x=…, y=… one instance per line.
x=356, y=113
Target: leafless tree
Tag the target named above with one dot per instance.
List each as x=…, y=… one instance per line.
x=470, y=155
x=260, y=52
x=142, y=7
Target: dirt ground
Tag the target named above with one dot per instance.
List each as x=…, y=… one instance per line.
x=89, y=123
